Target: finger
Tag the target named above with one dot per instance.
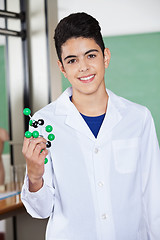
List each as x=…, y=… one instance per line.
x=38, y=158
x=38, y=140
x=34, y=142
x=38, y=149
x=43, y=155
x=26, y=143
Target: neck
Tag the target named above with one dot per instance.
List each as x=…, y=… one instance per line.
x=91, y=105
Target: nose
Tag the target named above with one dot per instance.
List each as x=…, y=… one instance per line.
x=83, y=66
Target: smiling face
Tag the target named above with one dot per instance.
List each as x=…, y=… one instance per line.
x=84, y=65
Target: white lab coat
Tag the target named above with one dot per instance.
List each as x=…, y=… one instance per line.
x=99, y=188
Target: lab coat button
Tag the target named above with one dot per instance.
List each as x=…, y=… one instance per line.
x=104, y=216
x=96, y=150
x=100, y=184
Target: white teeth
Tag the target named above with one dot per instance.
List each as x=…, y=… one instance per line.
x=86, y=78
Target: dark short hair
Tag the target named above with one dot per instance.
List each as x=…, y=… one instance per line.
x=77, y=25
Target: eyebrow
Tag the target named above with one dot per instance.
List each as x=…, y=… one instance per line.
x=73, y=56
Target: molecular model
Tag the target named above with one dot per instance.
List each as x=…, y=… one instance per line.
x=35, y=134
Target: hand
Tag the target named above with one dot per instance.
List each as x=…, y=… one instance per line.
x=31, y=150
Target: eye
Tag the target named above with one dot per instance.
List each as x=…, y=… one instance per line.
x=91, y=56
x=72, y=61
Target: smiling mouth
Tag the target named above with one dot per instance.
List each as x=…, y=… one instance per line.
x=87, y=79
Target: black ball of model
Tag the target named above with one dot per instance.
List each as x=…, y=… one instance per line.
x=41, y=122
x=48, y=144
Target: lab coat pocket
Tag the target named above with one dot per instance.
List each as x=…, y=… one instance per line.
x=126, y=154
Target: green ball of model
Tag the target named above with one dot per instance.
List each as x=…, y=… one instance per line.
x=30, y=122
x=28, y=134
x=51, y=137
x=26, y=111
x=35, y=134
x=49, y=128
x=45, y=161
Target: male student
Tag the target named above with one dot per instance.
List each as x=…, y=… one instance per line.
x=102, y=180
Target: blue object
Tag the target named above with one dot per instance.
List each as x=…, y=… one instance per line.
x=94, y=123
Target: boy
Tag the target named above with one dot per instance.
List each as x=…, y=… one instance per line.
x=102, y=180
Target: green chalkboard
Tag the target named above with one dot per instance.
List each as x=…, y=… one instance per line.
x=3, y=96
x=134, y=71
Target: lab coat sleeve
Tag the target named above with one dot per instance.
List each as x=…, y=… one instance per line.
x=40, y=204
x=150, y=156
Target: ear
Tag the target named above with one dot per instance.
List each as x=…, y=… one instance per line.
x=107, y=57
x=60, y=65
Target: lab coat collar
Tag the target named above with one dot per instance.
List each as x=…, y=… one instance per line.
x=113, y=115
x=64, y=106
x=73, y=118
